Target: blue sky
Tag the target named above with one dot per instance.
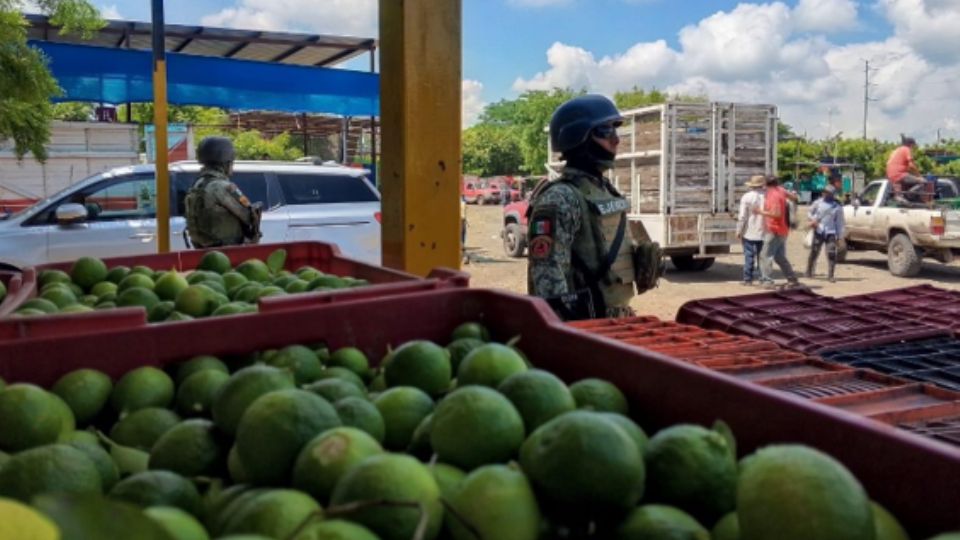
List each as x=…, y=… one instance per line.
x=804, y=55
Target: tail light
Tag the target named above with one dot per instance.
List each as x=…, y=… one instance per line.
x=938, y=225
x=378, y=216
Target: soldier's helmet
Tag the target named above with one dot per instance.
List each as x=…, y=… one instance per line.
x=572, y=122
x=216, y=151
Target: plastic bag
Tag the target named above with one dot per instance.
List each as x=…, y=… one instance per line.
x=808, y=239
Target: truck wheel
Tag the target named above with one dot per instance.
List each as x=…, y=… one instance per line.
x=686, y=263
x=903, y=259
x=513, y=240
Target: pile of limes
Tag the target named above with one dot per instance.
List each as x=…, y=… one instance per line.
x=215, y=288
x=465, y=441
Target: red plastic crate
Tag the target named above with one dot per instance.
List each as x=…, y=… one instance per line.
x=782, y=370
x=662, y=391
x=322, y=256
x=914, y=397
x=841, y=383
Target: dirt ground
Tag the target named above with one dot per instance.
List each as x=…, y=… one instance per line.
x=864, y=271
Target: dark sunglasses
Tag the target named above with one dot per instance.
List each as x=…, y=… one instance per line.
x=606, y=131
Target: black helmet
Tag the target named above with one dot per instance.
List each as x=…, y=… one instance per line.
x=572, y=122
x=215, y=151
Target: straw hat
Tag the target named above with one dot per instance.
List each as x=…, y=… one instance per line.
x=757, y=181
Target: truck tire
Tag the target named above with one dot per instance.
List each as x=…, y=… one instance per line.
x=686, y=263
x=514, y=242
x=903, y=258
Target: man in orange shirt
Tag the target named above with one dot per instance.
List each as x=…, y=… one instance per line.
x=777, y=228
x=902, y=172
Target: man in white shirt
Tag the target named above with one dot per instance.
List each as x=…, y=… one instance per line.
x=750, y=227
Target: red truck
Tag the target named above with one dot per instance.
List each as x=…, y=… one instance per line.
x=514, y=233
x=481, y=192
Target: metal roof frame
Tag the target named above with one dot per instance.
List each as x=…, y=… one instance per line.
x=262, y=46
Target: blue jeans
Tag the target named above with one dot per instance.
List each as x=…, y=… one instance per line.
x=775, y=249
x=751, y=255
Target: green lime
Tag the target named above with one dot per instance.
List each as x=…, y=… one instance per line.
x=333, y=390
x=471, y=330
x=190, y=448
x=30, y=417
x=88, y=271
x=103, y=288
x=276, y=513
x=117, y=273
x=169, y=285
x=887, y=526
x=135, y=280
x=85, y=391
x=254, y=270
x=599, y=395
x=490, y=365
x=242, y=389
x=196, y=395
x=106, y=468
x=47, y=277
x=585, y=461
x=350, y=358
x=459, y=349
x=629, y=427
x=137, y=296
x=199, y=363
x=215, y=261
x=177, y=523
x=420, y=364
x=498, y=502
x=448, y=479
x=276, y=427
x=402, y=409
x=158, y=488
x=335, y=529
x=196, y=301
x=728, y=528
x=60, y=296
x=391, y=477
x=693, y=468
x=791, y=492
x=361, y=414
x=476, y=426
x=539, y=396
x=658, y=522
x=40, y=304
x=300, y=360
x=326, y=458
x=342, y=374
x=141, y=388
x=142, y=428
x=56, y=467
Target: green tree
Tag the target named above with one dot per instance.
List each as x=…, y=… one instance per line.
x=527, y=117
x=490, y=150
x=26, y=84
x=638, y=97
x=73, y=111
x=251, y=145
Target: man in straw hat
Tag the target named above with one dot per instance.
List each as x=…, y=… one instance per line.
x=750, y=228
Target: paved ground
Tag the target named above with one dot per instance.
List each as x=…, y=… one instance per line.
x=864, y=272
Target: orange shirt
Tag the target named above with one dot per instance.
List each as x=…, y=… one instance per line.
x=776, y=201
x=899, y=164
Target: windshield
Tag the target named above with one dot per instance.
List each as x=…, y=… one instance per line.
x=44, y=202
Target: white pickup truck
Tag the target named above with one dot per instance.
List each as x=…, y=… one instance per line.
x=874, y=222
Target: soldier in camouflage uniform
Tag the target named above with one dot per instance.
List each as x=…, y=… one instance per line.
x=218, y=214
x=580, y=251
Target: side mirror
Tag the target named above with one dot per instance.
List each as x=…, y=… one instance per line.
x=855, y=202
x=70, y=213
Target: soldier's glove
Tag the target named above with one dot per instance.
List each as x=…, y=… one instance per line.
x=648, y=266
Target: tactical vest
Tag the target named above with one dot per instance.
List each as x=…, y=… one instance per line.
x=208, y=223
x=601, y=211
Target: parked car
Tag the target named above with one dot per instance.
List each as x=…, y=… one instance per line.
x=906, y=235
x=514, y=232
x=301, y=202
x=481, y=192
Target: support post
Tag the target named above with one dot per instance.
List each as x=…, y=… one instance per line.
x=420, y=86
x=160, y=128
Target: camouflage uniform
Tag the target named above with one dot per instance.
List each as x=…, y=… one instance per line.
x=574, y=220
x=218, y=213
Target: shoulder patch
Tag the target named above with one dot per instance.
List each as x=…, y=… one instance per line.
x=541, y=247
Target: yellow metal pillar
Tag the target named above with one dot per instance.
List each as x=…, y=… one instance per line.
x=160, y=128
x=420, y=74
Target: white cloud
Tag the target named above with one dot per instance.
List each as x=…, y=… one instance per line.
x=338, y=17
x=929, y=26
x=825, y=15
x=110, y=12
x=771, y=53
x=472, y=102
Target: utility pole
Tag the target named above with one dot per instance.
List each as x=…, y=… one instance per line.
x=866, y=95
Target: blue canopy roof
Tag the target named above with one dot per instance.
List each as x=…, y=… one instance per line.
x=107, y=75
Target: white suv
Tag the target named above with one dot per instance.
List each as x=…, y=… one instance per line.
x=301, y=202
